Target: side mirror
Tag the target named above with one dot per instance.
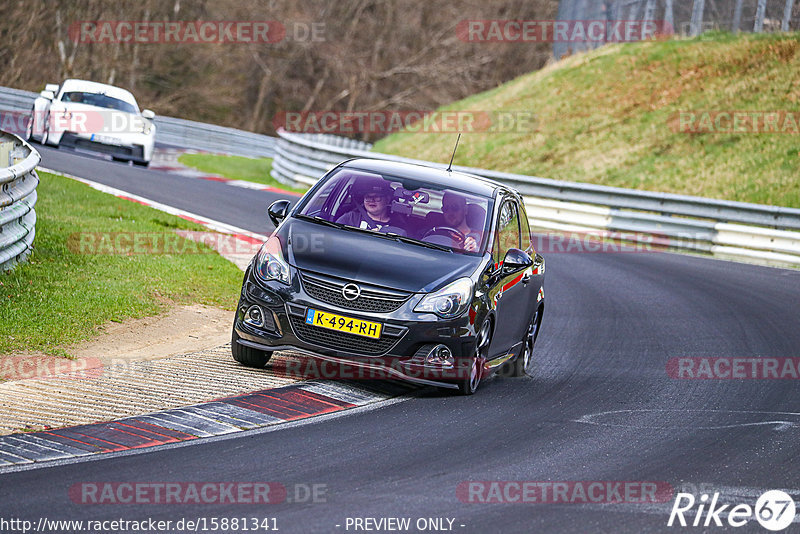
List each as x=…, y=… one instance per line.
x=49, y=95
x=278, y=210
x=148, y=114
x=516, y=260
x=52, y=87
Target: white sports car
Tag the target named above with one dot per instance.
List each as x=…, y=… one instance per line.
x=94, y=116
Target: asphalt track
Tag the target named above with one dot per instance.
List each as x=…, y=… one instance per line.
x=600, y=406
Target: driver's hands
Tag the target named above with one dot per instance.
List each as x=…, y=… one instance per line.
x=470, y=245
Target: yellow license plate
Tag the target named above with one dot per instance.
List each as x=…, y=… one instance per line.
x=332, y=321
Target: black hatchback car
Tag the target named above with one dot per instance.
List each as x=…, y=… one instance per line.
x=426, y=274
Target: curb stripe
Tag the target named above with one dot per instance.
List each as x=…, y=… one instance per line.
x=11, y=459
x=67, y=442
x=233, y=415
x=167, y=433
x=100, y=444
x=216, y=418
x=269, y=407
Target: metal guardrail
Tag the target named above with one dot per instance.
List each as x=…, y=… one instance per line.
x=18, y=181
x=720, y=227
x=15, y=106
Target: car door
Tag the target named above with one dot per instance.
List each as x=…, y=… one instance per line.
x=508, y=293
x=534, y=275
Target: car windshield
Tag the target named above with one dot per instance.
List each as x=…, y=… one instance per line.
x=98, y=100
x=408, y=209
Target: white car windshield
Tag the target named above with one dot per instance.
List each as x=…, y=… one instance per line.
x=98, y=100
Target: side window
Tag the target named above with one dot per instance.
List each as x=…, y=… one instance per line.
x=321, y=204
x=525, y=229
x=507, y=230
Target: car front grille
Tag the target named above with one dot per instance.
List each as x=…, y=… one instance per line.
x=341, y=341
x=371, y=299
x=72, y=140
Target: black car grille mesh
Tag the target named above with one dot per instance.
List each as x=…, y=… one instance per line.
x=341, y=341
x=371, y=300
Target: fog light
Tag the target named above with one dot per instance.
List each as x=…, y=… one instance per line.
x=254, y=316
x=440, y=355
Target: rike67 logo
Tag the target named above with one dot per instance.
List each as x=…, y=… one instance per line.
x=774, y=510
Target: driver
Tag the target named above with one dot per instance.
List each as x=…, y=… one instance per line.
x=374, y=213
x=454, y=210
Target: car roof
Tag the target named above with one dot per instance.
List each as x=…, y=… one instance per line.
x=455, y=179
x=95, y=87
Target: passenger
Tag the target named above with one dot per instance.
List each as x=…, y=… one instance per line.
x=374, y=212
x=454, y=210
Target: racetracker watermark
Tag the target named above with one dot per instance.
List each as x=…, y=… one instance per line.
x=600, y=241
x=177, y=242
x=195, y=31
x=49, y=367
x=733, y=368
x=560, y=31
x=206, y=493
x=566, y=492
x=407, y=121
x=384, y=368
x=736, y=122
x=83, y=122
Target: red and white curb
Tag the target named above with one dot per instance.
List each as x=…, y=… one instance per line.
x=250, y=240
x=222, y=417
x=166, y=160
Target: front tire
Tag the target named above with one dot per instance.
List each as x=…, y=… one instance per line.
x=248, y=356
x=29, y=128
x=46, y=132
x=468, y=385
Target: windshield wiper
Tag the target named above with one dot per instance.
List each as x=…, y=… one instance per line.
x=320, y=220
x=326, y=222
x=406, y=239
x=384, y=235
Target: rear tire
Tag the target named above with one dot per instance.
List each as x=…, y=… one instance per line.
x=523, y=364
x=469, y=384
x=121, y=160
x=248, y=356
x=141, y=163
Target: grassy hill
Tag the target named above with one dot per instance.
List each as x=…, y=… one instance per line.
x=611, y=117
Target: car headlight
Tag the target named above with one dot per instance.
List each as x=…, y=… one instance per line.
x=147, y=127
x=270, y=265
x=450, y=301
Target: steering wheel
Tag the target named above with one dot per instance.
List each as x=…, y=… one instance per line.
x=456, y=235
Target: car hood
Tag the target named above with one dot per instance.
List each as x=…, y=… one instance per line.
x=79, y=106
x=370, y=259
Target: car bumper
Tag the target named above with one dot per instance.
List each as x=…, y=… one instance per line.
x=139, y=148
x=399, y=353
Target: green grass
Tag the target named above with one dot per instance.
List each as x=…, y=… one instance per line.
x=609, y=117
x=62, y=295
x=236, y=168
